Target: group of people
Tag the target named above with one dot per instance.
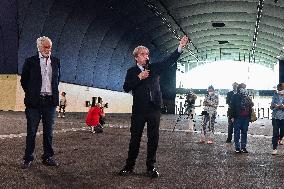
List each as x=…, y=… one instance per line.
x=240, y=107
x=40, y=79
x=240, y=113
x=95, y=118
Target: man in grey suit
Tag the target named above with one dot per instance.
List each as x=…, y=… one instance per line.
x=40, y=78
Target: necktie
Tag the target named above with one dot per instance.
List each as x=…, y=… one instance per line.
x=46, y=59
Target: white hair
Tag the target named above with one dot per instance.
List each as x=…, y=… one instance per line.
x=139, y=48
x=40, y=40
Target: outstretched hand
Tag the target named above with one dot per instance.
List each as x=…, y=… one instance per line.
x=183, y=41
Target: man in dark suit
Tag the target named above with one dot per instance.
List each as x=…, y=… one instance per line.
x=39, y=80
x=229, y=97
x=143, y=80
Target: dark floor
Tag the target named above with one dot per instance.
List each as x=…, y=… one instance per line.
x=92, y=160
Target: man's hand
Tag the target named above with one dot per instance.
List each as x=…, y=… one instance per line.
x=183, y=41
x=144, y=74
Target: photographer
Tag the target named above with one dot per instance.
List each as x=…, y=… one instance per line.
x=93, y=118
x=189, y=108
x=209, y=112
x=189, y=103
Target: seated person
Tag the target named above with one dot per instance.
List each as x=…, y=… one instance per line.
x=93, y=118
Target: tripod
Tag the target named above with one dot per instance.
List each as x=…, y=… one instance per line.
x=189, y=113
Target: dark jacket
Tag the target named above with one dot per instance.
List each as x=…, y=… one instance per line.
x=31, y=81
x=146, y=93
x=229, y=97
x=235, y=106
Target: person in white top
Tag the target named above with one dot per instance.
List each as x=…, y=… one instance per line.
x=209, y=113
x=62, y=105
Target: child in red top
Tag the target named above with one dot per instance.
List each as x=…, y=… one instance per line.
x=93, y=118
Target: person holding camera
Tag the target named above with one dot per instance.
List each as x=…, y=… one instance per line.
x=189, y=108
x=143, y=81
x=93, y=118
x=209, y=113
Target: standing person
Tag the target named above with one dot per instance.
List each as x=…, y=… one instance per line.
x=228, y=100
x=240, y=114
x=277, y=106
x=93, y=118
x=189, y=104
x=143, y=80
x=210, y=104
x=40, y=79
x=62, y=105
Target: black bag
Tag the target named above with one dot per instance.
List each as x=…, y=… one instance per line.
x=102, y=120
x=98, y=129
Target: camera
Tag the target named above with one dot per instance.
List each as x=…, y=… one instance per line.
x=104, y=106
x=204, y=113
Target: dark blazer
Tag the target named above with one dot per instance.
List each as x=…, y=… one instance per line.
x=31, y=81
x=146, y=92
x=229, y=97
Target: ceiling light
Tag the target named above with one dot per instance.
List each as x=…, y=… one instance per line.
x=223, y=42
x=218, y=24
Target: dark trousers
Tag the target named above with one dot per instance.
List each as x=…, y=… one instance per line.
x=278, y=131
x=230, y=129
x=45, y=112
x=137, y=125
x=62, y=109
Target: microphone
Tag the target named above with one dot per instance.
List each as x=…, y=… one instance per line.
x=146, y=66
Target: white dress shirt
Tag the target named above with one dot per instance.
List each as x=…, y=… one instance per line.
x=46, y=74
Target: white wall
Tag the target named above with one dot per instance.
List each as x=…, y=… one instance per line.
x=76, y=95
x=119, y=102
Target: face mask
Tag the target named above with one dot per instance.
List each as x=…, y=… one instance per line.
x=281, y=92
x=210, y=93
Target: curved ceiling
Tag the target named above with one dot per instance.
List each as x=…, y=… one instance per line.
x=241, y=30
x=8, y=37
x=95, y=39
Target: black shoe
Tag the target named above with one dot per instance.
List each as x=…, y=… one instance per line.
x=153, y=173
x=237, y=150
x=126, y=171
x=50, y=162
x=244, y=150
x=26, y=164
